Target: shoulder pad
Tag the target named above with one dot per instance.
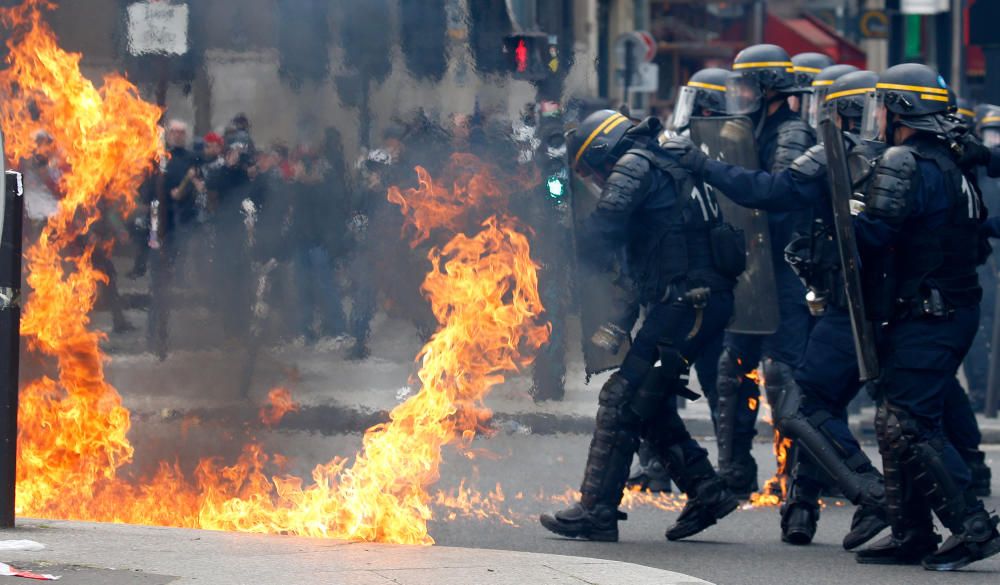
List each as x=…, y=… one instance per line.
x=794, y=139
x=893, y=180
x=811, y=165
x=627, y=182
x=635, y=163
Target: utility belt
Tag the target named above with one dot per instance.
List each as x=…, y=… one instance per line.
x=929, y=304
x=687, y=293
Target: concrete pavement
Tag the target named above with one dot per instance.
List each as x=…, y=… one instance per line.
x=110, y=554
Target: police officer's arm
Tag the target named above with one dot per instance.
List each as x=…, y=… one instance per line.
x=793, y=141
x=624, y=191
x=798, y=187
x=892, y=196
x=794, y=189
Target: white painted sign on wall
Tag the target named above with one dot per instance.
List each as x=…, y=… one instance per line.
x=158, y=28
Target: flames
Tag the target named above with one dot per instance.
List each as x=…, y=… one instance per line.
x=279, y=403
x=73, y=430
x=73, y=443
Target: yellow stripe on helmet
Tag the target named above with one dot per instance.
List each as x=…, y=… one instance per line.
x=762, y=64
x=706, y=85
x=849, y=92
x=967, y=112
x=936, y=98
x=802, y=69
x=822, y=82
x=990, y=119
x=612, y=121
x=919, y=88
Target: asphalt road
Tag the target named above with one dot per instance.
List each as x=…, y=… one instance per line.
x=536, y=472
x=743, y=549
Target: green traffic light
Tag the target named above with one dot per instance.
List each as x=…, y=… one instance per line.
x=556, y=187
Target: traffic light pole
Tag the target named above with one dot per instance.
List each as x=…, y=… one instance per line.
x=10, y=338
x=629, y=72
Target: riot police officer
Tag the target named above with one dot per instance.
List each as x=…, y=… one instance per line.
x=919, y=244
x=820, y=89
x=806, y=66
x=684, y=260
x=704, y=95
x=759, y=87
x=811, y=406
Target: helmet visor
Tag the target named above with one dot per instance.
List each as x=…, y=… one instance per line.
x=684, y=109
x=743, y=95
x=991, y=137
x=874, y=117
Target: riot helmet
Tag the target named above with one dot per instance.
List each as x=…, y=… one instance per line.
x=757, y=71
x=846, y=98
x=813, y=102
x=911, y=95
x=989, y=127
x=965, y=110
x=704, y=94
x=597, y=143
x=807, y=66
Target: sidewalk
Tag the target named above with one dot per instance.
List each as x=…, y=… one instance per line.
x=112, y=554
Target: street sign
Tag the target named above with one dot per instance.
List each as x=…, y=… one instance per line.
x=924, y=6
x=157, y=27
x=647, y=79
x=874, y=24
x=649, y=43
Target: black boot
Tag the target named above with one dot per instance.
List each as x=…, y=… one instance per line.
x=711, y=502
x=598, y=523
x=978, y=540
x=649, y=472
x=615, y=441
x=708, y=498
x=907, y=549
x=800, y=514
x=741, y=475
x=867, y=522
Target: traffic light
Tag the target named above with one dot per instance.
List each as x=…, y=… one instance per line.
x=551, y=157
x=531, y=56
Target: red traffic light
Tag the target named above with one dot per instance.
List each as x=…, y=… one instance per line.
x=521, y=56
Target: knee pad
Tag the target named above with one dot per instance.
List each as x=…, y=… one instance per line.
x=612, y=411
x=783, y=393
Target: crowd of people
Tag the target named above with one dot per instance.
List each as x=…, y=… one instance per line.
x=281, y=243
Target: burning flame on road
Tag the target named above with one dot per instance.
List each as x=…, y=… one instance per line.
x=279, y=403
x=73, y=445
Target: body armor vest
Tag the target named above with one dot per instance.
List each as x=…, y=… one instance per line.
x=678, y=247
x=943, y=258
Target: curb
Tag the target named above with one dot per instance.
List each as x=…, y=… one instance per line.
x=109, y=554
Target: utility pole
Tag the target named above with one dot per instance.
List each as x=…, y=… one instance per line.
x=11, y=219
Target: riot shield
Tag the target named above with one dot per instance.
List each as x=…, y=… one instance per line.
x=840, y=196
x=603, y=297
x=730, y=139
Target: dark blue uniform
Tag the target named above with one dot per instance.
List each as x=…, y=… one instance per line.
x=919, y=238
x=827, y=371
x=784, y=138
x=677, y=249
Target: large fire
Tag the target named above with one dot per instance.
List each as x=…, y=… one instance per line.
x=73, y=443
